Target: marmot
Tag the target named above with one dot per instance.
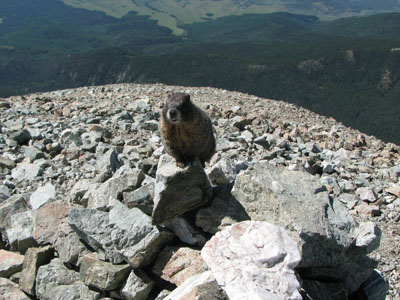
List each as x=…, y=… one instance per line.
x=186, y=130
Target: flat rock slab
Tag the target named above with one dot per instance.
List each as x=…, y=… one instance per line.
x=254, y=260
x=178, y=190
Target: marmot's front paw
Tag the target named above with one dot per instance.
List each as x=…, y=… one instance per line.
x=180, y=164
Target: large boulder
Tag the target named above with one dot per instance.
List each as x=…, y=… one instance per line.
x=120, y=235
x=331, y=242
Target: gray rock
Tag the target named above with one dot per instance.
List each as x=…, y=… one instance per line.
x=107, y=160
x=102, y=275
x=124, y=180
x=34, y=258
x=254, y=260
x=262, y=141
x=9, y=290
x=349, y=200
x=72, y=136
x=93, y=227
x=10, y=263
x=137, y=287
x=368, y=237
x=122, y=234
x=22, y=137
x=178, y=190
x=43, y=195
x=20, y=232
x=367, y=194
x=139, y=106
x=151, y=125
x=7, y=163
x=33, y=153
x=55, y=281
x=79, y=190
x=163, y=294
x=25, y=171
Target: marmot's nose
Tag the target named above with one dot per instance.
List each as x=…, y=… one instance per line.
x=172, y=113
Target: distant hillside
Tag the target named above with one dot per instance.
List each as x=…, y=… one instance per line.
x=174, y=13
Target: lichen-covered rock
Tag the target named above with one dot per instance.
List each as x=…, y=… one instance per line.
x=254, y=260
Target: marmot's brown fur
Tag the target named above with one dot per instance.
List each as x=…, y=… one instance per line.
x=186, y=130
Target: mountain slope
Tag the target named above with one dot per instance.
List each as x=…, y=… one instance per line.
x=350, y=74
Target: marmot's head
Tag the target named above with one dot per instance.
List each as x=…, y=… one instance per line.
x=177, y=108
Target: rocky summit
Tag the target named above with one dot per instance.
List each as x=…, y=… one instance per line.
x=293, y=205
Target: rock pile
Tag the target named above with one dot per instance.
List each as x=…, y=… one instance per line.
x=90, y=208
